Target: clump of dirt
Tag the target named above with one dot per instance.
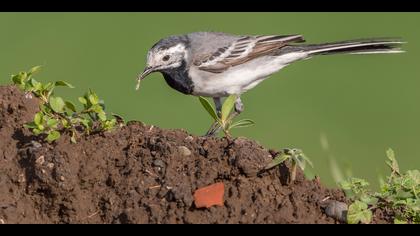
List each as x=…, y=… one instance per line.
x=143, y=174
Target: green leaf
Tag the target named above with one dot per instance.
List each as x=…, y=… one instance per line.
x=65, y=123
x=35, y=84
x=73, y=137
x=86, y=123
x=415, y=176
x=354, y=187
x=82, y=100
x=109, y=124
x=102, y=116
x=70, y=106
x=277, y=161
x=399, y=221
x=300, y=162
x=52, y=123
x=304, y=158
x=368, y=199
x=22, y=77
x=345, y=185
x=57, y=104
x=30, y=125
x=209, y=108
x=53, y=135
x=392, y=163
x=92, y=97
x=49, y=86
x=36, y=131
x=401, y=194
x=359, y=212
x=34, y=70
x=41, y=127
x=17, y=79
x=45, y=109
x=63, y=83
x=228, y=106
x=97, y=108
x=243, y=123
x=38, y=118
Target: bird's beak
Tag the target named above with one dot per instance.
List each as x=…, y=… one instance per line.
x=148, y=70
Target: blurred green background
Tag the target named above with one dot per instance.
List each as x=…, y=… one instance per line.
x=361, y=104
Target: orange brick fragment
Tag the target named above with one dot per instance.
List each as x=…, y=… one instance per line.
x=209, y=196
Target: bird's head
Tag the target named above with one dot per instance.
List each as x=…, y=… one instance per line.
x=167, y=54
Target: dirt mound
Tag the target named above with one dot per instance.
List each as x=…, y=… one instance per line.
x=142, y=174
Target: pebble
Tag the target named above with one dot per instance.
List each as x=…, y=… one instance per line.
x=62, y=178
x=50, y=165
x=189, y=138
x=337, y=210
x=184, y=151
x=40, y=160
x=21, y=178
x=35, y=144
x=159, y=163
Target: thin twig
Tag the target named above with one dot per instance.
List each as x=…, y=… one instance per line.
x=93, y=214
x=151, y=173
x=156, y=186
x=325, y=199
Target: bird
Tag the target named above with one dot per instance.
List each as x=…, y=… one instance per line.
x=218, y=64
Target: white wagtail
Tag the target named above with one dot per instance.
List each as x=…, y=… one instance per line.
x=217, y=65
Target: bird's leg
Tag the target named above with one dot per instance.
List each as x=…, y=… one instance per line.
x=239, y=108
x=215, y=127
x=218, y=104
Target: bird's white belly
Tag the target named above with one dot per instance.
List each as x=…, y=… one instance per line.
x=239, y=79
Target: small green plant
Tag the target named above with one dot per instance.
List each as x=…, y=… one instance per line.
x=399, y=193
x=57, y=115
x=225, y=119
x=295, y=156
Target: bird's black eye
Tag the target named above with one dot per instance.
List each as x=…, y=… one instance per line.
x=165, y=58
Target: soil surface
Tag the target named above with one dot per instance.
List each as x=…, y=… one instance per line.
x=143, y=174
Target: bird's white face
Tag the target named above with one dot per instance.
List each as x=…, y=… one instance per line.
x=166, y=58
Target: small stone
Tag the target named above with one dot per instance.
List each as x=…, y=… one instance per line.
x=50, y=165
x=43, y=171
x=35, y=144
x=2, y=222
x=184, y=151
x=40, y=160
x=189, y=138
x=159, y=163
x=21, y=178
x=337, y=210
x=62, y=178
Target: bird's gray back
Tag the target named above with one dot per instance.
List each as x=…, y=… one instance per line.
x=204, y=44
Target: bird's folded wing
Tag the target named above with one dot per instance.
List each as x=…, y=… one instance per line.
x=242, y=50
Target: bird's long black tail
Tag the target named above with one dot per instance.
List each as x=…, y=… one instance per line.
x=362, y=46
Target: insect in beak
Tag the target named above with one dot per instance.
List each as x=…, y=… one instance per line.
x=148, y=70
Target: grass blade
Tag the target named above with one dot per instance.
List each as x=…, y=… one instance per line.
x=277, y=161
x=209, y=108
x=228, y=106
x=243, y=123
